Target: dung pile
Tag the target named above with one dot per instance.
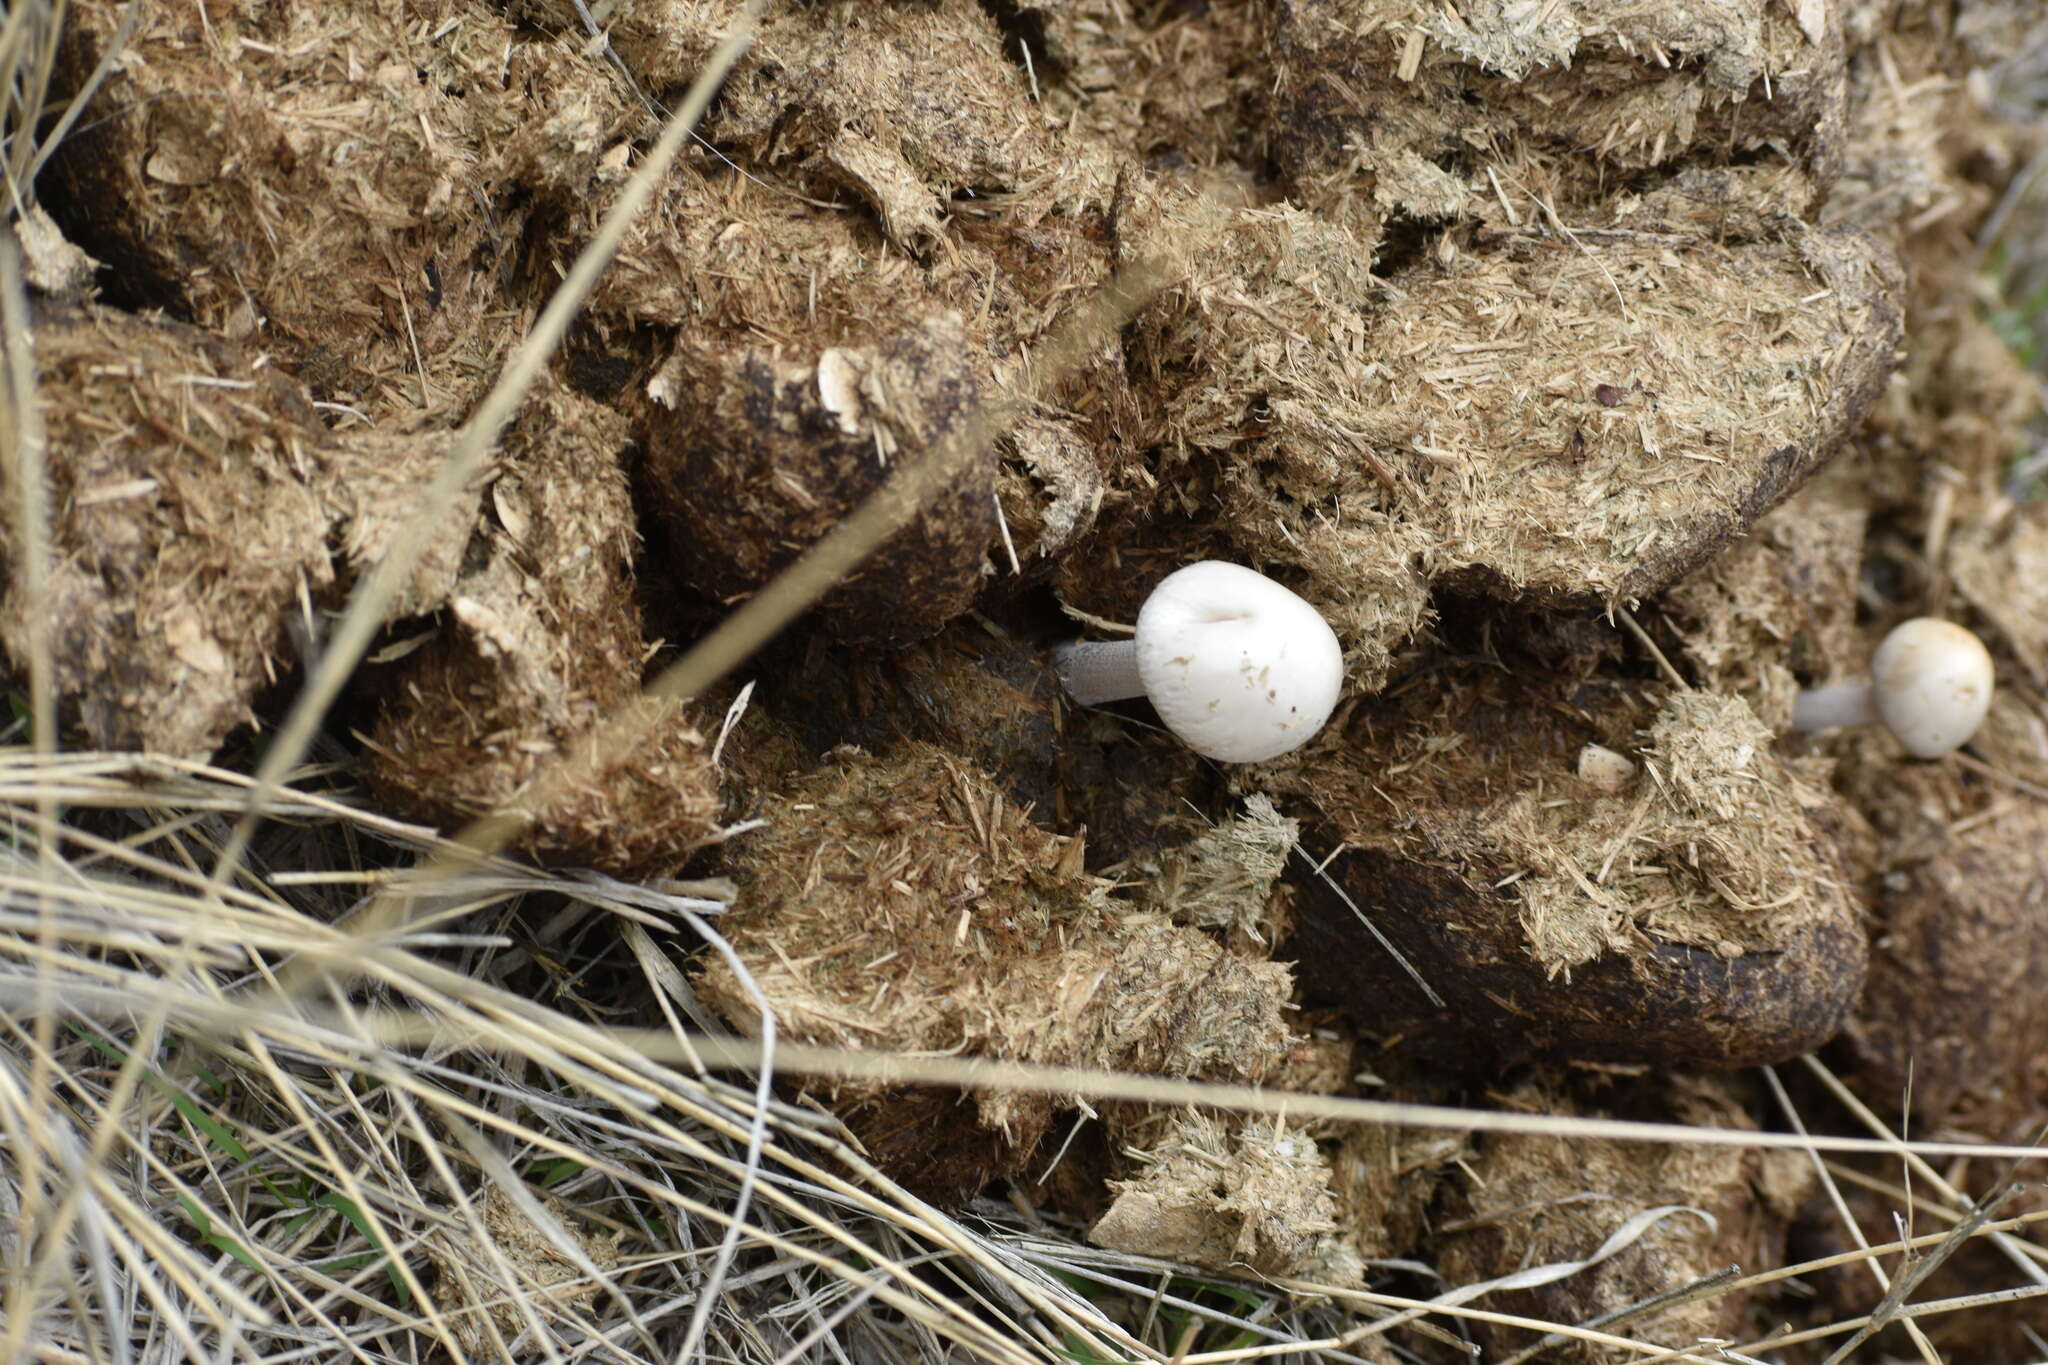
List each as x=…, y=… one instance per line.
x=1605, y=373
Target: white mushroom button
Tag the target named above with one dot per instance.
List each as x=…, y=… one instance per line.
x=1930, y=683
x=1238, y=667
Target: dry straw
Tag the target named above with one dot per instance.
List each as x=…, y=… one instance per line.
x=829, y=1218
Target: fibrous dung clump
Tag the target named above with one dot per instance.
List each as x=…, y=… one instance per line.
x=901, y=903
x=1710, y=848
x=1665, y=1217
x=1699, y=909
x=470, y=1274
x=1247, y=1195
x=1225, y=877
x=1564, y=422
x=204, y=517
x=326, y=180
x=757, y=456
x=186, y=532
x=545, y=645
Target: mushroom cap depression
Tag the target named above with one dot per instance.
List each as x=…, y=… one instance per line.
x=1931, y=681
x=1236, y=665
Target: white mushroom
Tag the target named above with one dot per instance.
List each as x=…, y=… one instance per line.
x=1237, y=666
x=1930, y=683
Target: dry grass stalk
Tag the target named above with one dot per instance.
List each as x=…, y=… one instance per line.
x=134, y=856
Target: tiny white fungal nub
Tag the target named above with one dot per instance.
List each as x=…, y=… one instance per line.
x=1602, y=769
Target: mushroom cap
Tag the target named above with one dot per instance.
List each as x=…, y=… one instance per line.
x=1236, y=665
x=1931, y=680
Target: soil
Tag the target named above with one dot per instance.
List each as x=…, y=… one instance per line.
x=1605, y=373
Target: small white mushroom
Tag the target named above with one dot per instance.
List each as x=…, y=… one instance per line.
x=1237, y=666
x=1930, y=683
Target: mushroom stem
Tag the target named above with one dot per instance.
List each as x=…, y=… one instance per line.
x=1098, y=671
x=1830, y=708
